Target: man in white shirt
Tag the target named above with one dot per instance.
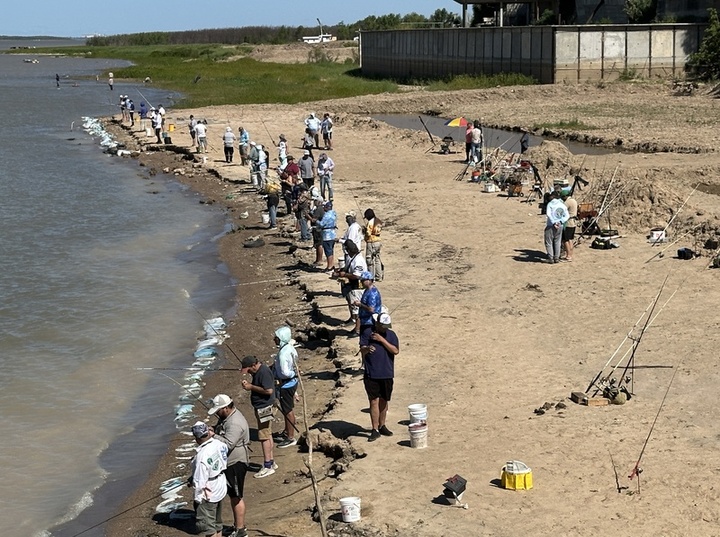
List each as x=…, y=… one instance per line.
x=353, y=233
x=326, y=128
x=313, y=124
x=201, y=135
x=157, y=124
x=325, y=169
x=208, y=480
x=350, y=286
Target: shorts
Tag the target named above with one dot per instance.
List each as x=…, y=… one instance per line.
x=208, y=517
x=235, y=476
x=354, y=296
x=328, y=248
x=286, y=396
x=568, y=234
x=264, y=429
x=378, y=388
x=327, y=135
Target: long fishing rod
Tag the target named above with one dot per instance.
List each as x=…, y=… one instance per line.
x=648, y=326
x=427, y=130
x=143, y=96
x=196, y=397
x=676, y=213
x=661, y=253
x=129, y=509
x=268, y=132
x=636, y=471
x=221, y=336
x=636, y=342
x=627, y=336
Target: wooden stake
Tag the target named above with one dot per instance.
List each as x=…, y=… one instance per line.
x=308, y=462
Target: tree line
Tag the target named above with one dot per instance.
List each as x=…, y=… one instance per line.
x=275, y=35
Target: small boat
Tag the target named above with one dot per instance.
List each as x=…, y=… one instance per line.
x=31, y=60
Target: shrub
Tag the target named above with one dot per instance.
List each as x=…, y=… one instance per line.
x=706, y=62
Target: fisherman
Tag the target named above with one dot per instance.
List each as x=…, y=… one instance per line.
x=313, y=125
x=477, y=142
x=244, y=144
x=326, y=127
x=353, y=233
x=191, y=127
x=228, y=144
x=232, y=429
x=369, y=304
x=307, y=169
x=210, y=488
x=327, y=226
x=325, y=170
x=201, y=134
x=287, y=181
x=379, y=347
x=350, y=286
x=285, y=369
x=143, y=115
x=557, y=215
x=157, y=124
x=282, y=151
x=262, y=399
x=568, y=233
x=524, y=140
x=131, y=111
x=373, y=245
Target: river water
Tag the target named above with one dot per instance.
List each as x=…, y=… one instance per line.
x=97, y=263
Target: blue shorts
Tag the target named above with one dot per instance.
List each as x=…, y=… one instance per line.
x=328, y=247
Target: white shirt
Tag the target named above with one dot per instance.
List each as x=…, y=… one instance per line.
x=353, y=233
x=357, y=265
x=207, y=470
x=200, y=129
x=313, y=123
x=326, y=166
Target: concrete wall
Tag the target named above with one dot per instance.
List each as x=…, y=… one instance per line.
x=548, y=53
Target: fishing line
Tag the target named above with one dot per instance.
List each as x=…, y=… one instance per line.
x=196, y=397
x=129, y=509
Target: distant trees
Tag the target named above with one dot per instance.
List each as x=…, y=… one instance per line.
x=705, y=63
x=278, y=34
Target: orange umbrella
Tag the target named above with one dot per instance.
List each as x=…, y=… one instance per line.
x=457, y=122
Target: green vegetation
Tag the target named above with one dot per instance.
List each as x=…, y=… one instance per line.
x=479, y=82
x=641, y=11
x=705, y=63
x=203, y=74
x=571, y=124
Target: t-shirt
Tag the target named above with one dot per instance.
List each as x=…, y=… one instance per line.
x=306, y=165
x=372, y=231
x=228, y=139
x=572, y=208
x=379, y=364
x=207, y=471
x=263, y=378
x=200, y=130
x=234, y=432
x=371, y=297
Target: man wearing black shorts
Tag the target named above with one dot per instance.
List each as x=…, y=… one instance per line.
x=232, y=429
x=286, y=377
x=568, y=234
x=379, y=346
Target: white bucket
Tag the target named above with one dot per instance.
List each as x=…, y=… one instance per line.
x=265, y=218
x=149, y=132
x=657, y=235
x=418, y=412
x=350, y=508
x=418, y=434
x=204, y=160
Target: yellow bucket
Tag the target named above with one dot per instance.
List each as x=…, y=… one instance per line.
x=171, y=127
x=516, y=475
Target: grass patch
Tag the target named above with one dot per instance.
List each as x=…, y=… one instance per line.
x=242, y=81
x=570, y=124
x=480, y=82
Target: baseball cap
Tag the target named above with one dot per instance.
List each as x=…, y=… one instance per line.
x=367, y=275
x=306, y=152
x=383, y=318
x=290, y=157
x=200, y=430
x=219, y=401
x=351, y=214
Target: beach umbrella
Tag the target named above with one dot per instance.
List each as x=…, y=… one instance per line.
x=456, y=122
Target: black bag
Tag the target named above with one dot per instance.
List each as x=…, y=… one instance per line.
x=685, y=253
x=600, y=244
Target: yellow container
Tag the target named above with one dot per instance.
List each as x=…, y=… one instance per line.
x=171, y=127
x=516, y=475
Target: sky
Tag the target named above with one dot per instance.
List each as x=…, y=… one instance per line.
x=76, y=18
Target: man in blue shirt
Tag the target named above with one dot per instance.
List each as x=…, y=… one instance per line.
x=369, y=303
x=378, y=347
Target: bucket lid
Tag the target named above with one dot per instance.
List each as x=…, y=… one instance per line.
x=516, y=467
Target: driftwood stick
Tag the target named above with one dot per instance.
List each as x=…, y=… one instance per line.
x=308, y=462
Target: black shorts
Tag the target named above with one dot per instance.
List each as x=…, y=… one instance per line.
x=235, y=476
x=568, y=234
x=381, y=388
x=286, y=396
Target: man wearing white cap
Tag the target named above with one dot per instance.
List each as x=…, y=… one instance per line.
x=379, y=347
x=232, y=429
x=307, y=169
x=207, y=479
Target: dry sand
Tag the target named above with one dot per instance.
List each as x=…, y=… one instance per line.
x=488, y=333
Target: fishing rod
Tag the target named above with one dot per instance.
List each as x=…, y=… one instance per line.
x=268, y=132
x=221, y=336
x=196, y=369
x=636, y=471
x=130, y=509
x=661, y=253
x=675, y=215
x=196, y=397
x=143, y=96
x=427, y=130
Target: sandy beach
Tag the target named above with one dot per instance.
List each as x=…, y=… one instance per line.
x=488, y=332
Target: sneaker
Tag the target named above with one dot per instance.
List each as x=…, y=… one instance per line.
x=385, y=431
x=288, y=442
x=279, y=437
x=238, y=532
x=374, y=435
x=229, y=531
x=265, y=472
x=275, y=466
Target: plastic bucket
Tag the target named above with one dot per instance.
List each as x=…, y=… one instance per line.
x=418, y=412
x=265, y=218
x=148, y=132
x=171, y=127
x=657, y=235
x=418, y=434
x=350, y=508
